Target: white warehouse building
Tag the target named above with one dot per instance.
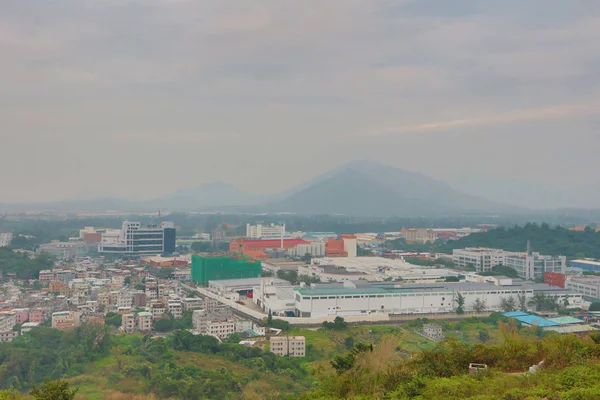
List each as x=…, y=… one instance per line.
x=363, y=298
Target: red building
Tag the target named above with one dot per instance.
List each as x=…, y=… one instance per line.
x=554, y=279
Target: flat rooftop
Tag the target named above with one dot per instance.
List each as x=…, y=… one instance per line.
x=247, y=282
x=364, y=287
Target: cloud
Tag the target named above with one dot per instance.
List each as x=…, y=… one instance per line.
x=507, y=118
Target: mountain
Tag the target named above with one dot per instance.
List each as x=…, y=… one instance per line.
x=360, y=188
x=367, y=188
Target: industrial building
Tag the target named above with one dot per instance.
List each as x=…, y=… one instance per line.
x=364, y=298
x=377, y=269
x=315, y=249
x=135, y=239
x=241, y=286
x=277, y=299
x=587, y=286
x=206, y=269
x=480, y=258
x=587, y=265
x=529, y=265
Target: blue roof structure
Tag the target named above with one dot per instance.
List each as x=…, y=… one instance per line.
x=536, y=321
x=514, y=314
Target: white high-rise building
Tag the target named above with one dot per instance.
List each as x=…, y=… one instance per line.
x=265, y=231
x=137, y=239
x=533, y=265
x=5, y=239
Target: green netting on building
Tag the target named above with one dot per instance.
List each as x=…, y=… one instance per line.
x=206, y=269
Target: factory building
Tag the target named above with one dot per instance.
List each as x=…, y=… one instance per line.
x=364, y=298
x=528, y=265
x=206, y=269
x=587, y=265
x=480, y=258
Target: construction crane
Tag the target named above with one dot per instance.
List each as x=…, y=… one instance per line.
x=233, y=237
x=159, y=219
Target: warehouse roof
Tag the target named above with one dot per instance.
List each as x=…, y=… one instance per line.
x=566, y=320
x=514, y=314
x=535, y=320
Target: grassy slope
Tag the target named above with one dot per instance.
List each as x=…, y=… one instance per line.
x=96, y=382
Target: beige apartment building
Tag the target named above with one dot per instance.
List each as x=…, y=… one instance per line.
x=295, y=346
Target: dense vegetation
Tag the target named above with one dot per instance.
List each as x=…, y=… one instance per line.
x=544, y=239
x=24, y=266
x=47, y=353
x=571, y=371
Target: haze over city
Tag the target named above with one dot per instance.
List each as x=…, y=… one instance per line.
x=137, y=99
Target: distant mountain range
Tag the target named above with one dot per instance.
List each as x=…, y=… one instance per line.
x=361, y=188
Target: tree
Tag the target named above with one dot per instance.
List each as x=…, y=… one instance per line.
x=55, y=390
x=307, y=258
x=163, y=325
x=127, y=281
x=114, y=319
x=270, y=319
x=338, y=324
x=484, y=336
x=460, y=303
x=140, y=286
x=452, y=279
x=508, y=304
x=479, y=305
x=522, y=301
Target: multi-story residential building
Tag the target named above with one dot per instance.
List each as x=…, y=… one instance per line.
x=218, y=321
x=175, y=308
x=139, y=299
x=137, y=239
x=265, y=231
x=22, y=315
x=8, y=336
x=128, y=324
x=419, y=235
x=157, y=309
x=220, y=329
x=193, y=303
x=64, y=320
x=46, y=275
x=8, y=319
x=144, y=320
x=124, y=298
x=57, y=287
x=480, y=258
x=5, y=239
x=27, y=326
x=294, y=346
x=37, y=315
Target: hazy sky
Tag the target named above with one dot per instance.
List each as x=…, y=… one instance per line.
x=139, y=98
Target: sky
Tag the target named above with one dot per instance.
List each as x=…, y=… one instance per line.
x=138, y=98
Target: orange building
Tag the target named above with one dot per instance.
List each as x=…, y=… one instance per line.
x=335, y=248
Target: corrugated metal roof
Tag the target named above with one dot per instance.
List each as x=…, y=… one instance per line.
x=514, y=314
x=572, y=328
x=535, y=320
x=566, y=320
